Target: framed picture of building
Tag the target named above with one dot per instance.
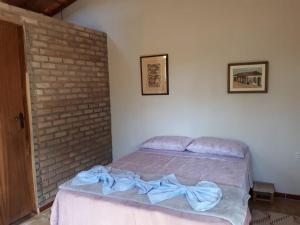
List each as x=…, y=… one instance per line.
x=248, y=77
x=154, y=74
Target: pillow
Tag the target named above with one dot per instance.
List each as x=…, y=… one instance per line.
x=218, y=146
x=174, y=143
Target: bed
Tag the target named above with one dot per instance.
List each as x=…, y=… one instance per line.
x=75, y=208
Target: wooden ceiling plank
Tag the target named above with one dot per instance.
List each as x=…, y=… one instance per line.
x=18, y=3
x=47, y=7
x=62, y=6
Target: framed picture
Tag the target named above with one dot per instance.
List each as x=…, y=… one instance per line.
x=154, y=74
x=248, y=77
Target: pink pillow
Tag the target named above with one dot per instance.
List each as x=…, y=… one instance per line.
x=218, y=146
x=173, y=143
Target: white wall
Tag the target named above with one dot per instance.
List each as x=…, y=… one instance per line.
x=201, y=38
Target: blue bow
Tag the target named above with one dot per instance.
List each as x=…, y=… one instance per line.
x=201, y=197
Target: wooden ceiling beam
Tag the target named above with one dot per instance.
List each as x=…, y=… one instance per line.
x=47, y=7
x=63, y=4
x=18, y=3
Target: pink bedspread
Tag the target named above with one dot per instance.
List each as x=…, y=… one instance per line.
x=73, y=208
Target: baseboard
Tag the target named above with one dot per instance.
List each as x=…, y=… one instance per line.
x=282, y=195
x=288, y=196
x=47, y=206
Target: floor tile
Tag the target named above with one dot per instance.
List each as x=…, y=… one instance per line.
x=41, y=219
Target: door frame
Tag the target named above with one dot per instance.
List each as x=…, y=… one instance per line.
x=28, y=116
x=25, y=84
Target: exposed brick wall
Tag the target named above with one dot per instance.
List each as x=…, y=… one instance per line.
x=69, y=91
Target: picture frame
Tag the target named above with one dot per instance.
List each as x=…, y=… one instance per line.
x=251, y=77
x=154, y=74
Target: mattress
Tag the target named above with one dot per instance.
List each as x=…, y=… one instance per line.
x=76, y=208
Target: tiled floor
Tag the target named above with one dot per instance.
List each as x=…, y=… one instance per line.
x=280, y=205
x=41, y=219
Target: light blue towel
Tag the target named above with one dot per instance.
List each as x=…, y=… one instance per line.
x=95, y=175
x=201, y=197
x=128, y=180
x=114, y=182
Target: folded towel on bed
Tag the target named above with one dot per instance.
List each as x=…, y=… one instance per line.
x=125, y=181
x=95, y=175
x=114, y=182
x=201, y=197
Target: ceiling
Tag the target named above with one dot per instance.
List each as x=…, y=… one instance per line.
x=47, y=7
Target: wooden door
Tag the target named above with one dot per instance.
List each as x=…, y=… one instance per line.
x=16, y=177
